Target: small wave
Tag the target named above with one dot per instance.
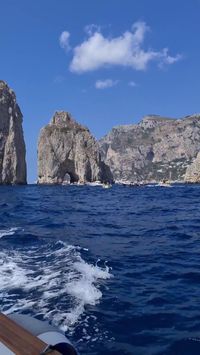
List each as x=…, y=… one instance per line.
x=52, y=280
x=7, y=232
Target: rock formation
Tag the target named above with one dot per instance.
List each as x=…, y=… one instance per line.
x=68, y=152
x=193, y=171
x=155, y=149
x=12, y=146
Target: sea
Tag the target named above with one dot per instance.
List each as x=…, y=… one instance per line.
x=117, y=269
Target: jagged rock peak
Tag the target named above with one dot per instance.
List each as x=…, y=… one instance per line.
x=6, y=93
x=156, y=117
x=12, y=146
x=62, y=118
x=4, y=85
x=193, y=117
x=68, y=152
x=151, y=121
x=65, y=119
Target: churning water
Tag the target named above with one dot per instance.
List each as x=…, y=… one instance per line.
x=117, y=269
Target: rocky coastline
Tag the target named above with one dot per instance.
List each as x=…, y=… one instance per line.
x=156, y=149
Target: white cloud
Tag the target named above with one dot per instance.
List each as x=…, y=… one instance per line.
x=126, y=50
x=168, y=59
x=90, y=29
x=132, y=83
x=64, y=40
x=104, y=84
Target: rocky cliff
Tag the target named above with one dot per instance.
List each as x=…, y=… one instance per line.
x=12, y=146
x=67, y=152
x=193, y=171
x=155, y=149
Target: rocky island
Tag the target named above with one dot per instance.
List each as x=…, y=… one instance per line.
x=12, y=146
x=155, y=149
x=68, y=153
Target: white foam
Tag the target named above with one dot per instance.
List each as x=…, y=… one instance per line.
x=6, y=232
x=52, y=280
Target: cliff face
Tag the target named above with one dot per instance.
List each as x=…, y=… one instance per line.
x=193, y=171
x=68, y=152
x=155, y=149
x=12, y=146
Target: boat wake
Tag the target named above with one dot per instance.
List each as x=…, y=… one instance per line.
x=50, y=281
x=7, y=232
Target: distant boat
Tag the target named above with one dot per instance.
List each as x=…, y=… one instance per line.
x=94, y=183
x=164, y=183
x=106, y=186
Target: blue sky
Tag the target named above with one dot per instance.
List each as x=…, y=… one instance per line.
x=105, y=61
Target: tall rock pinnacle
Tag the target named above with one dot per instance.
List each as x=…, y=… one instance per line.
x=12, y=146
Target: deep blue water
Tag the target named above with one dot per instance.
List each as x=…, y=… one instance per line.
x=117, y=269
